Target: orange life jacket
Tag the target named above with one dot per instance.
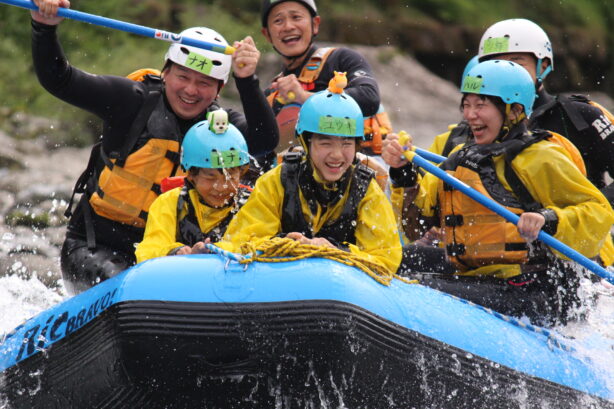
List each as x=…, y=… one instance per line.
x=376, y=126
x=122, y=185
x=475, y=236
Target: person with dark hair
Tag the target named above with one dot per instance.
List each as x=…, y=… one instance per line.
x=291, y=26
x=214, y=155
x=322, y=196
x=500, y=265
x=144, y=123
x=586, y=125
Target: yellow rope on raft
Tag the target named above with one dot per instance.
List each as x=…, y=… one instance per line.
x=277, y=250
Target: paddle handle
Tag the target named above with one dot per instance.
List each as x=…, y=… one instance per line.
x=127, y=27
x=503, y=212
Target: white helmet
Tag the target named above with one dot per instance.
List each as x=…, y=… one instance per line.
x=210, y=63
x=516, y=36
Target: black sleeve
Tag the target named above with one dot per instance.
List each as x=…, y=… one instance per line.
x=115, y=100
x=608, y=192
x=361, y=82
x=405, y=176
x=258, y=125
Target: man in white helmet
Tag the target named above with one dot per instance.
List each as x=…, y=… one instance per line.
x=144, y=124
x=524, y=42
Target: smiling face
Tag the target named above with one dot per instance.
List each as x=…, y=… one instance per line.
x=290, y=28
x=483, y=116
x=214, y=187
x=331, y=155
x=189, y=93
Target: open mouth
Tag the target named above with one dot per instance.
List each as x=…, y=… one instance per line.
x=478, y=128
x=188, y=101
x=291, y=39
x=334, y=167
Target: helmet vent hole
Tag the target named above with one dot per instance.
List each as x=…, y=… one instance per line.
x=216, y=62
x=185, y=50
x=329, y=95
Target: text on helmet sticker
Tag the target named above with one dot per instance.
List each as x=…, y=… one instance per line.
x=225, y=159
x=199, y=63
x=337, y=125
x=472, y=84
x=496, y=45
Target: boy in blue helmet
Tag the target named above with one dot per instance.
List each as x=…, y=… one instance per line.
x=214, y=153
x=323, y=197
x=500, y=265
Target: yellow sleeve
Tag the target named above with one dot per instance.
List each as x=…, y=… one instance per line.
x=260, y=217
x=440, y=141
x=427, y=198
x=161, y=227
x=377, y=237
x=585, y=215
x=397, y=200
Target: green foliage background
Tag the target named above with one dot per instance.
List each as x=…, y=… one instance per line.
x=374, y=22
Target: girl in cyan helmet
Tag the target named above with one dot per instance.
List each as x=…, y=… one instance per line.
x=500, y=265
x=322, y=197
x=214, y=154
x=586, y=126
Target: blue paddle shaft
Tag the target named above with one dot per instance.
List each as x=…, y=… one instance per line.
x=433, y=157
x=511, y=217
x=127, y=27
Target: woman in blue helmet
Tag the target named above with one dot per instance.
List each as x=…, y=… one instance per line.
x=500, y=265
x=323, y=197
x=215, y=155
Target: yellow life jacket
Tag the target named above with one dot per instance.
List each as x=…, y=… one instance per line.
x=376, y=126
x=130, y=179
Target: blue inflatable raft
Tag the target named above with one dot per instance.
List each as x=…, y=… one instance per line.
x=205, y=332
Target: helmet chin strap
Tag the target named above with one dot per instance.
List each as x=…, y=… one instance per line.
x=539, y=75
x=509, y=123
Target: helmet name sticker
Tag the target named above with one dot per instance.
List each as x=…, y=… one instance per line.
x=225, y=159
x=337, y=125
x=199, y=63
x=472, y=84
x=497, y=45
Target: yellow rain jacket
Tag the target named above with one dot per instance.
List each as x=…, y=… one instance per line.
x=554, y=181
x=377, y=238
x=161, y=229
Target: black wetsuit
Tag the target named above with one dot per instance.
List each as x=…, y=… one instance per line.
x=361, y=82
x=117, y=100
x=586, y=127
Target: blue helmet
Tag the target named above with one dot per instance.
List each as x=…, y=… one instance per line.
x=504, y=79
x=470, y=64
x=204, y=148
x=331, y=113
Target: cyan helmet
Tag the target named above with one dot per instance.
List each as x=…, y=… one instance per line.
x=517, y=35
x=202, y=147
x=210, y=63
x=504, y=79
x=332, y=112
x=470, y=64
